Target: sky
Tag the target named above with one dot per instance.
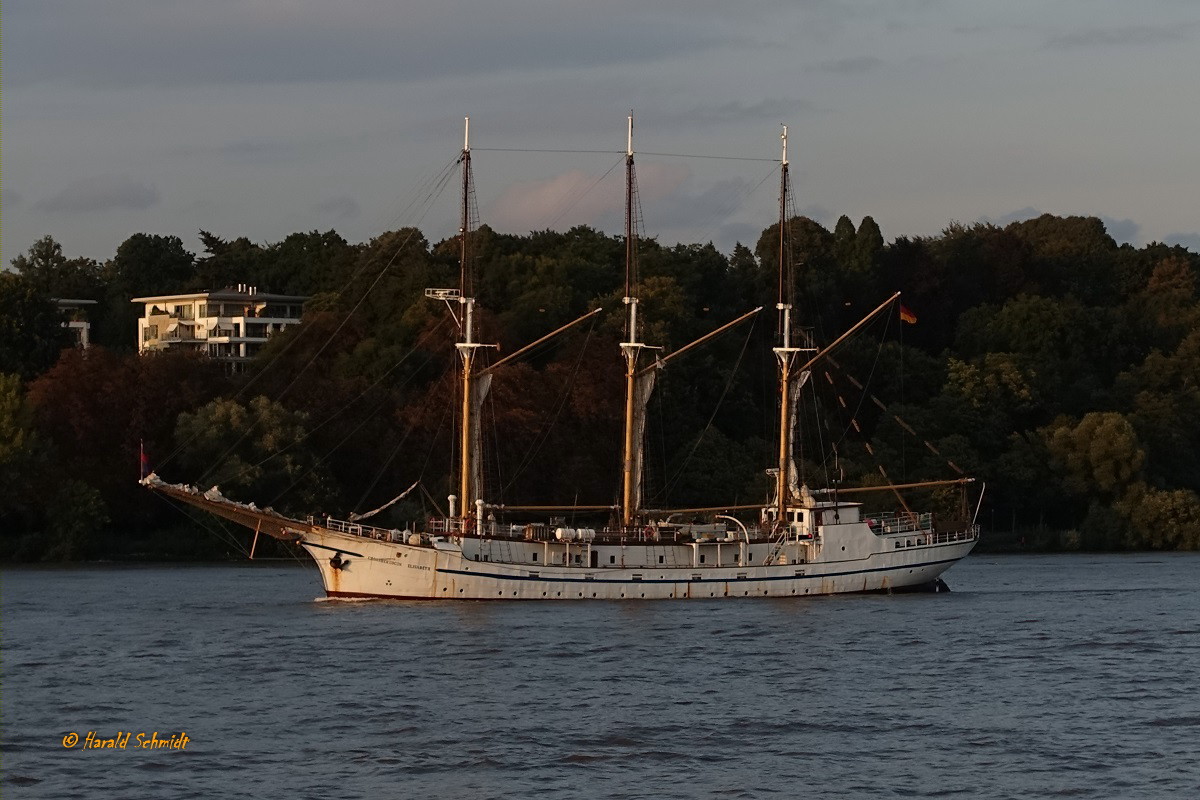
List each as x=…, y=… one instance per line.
x=260, y=118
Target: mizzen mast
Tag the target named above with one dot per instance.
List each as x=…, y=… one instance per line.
x=466, y=348
x=785, y=353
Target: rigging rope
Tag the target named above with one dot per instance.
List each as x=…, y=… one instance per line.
x=543, y=435
x=724, y=392
x=345, y=407
x=254, y=424
x=427, y=200
x=575, y=200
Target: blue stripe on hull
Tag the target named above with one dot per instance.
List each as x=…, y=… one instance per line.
x=747, y=579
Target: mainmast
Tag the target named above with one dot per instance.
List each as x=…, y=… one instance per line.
x=632, y=347
x=472, y=395
x=785, y=352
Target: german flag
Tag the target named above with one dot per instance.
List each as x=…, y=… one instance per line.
x=907, y=316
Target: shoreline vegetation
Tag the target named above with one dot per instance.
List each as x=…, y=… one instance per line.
x=1057, y=367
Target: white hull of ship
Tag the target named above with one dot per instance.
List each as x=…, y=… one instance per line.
x=369, y=568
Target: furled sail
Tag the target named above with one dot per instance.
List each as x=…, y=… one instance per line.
x=479, y=391
x=642, y=389
x=794, y=392
x=393, y=501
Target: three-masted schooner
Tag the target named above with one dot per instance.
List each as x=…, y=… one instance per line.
x=805, y=542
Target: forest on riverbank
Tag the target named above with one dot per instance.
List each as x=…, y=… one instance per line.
x=1046, y=360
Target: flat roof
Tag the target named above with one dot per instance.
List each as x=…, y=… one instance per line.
x=223, y=294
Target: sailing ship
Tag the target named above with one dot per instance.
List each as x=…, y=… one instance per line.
x=804, y=542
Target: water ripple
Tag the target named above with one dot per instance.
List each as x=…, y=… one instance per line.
x=1036, y=677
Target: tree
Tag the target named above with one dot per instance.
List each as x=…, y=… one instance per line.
x=17, y=446
x=144, y=265
x=256, y=451
x=31, y=332
x=1161, y=520
x=50, y=272
x=1100, y=455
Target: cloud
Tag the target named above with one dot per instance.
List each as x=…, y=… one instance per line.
x=1124, y=231
x=578, y=197
x=244, y=151
x=1020, y=215
x=738, y=232
x=10, y=198
x=1189, y=240
x=1120, y=36
x=340, y=208
x=819, y=213
x=101, y=193
x=854, y=65
x=148, y=42
x=265, y=150
x=770, y=108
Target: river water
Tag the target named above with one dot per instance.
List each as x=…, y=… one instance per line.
x=1038, y=676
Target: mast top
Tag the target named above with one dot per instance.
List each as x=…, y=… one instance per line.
x=783, y=136
x=466, y=134
x=629, y=138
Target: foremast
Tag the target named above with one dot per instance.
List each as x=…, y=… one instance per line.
x=473, y=388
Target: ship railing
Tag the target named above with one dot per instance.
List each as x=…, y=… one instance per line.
x=966, y=534
x=894, y=522
x=358, y=529
x=545, y=532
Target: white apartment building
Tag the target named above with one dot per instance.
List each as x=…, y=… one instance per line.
x=230, y=324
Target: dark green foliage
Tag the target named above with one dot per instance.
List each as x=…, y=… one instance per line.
x=50, y=272
x=1057, y=366
x=31, y=332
